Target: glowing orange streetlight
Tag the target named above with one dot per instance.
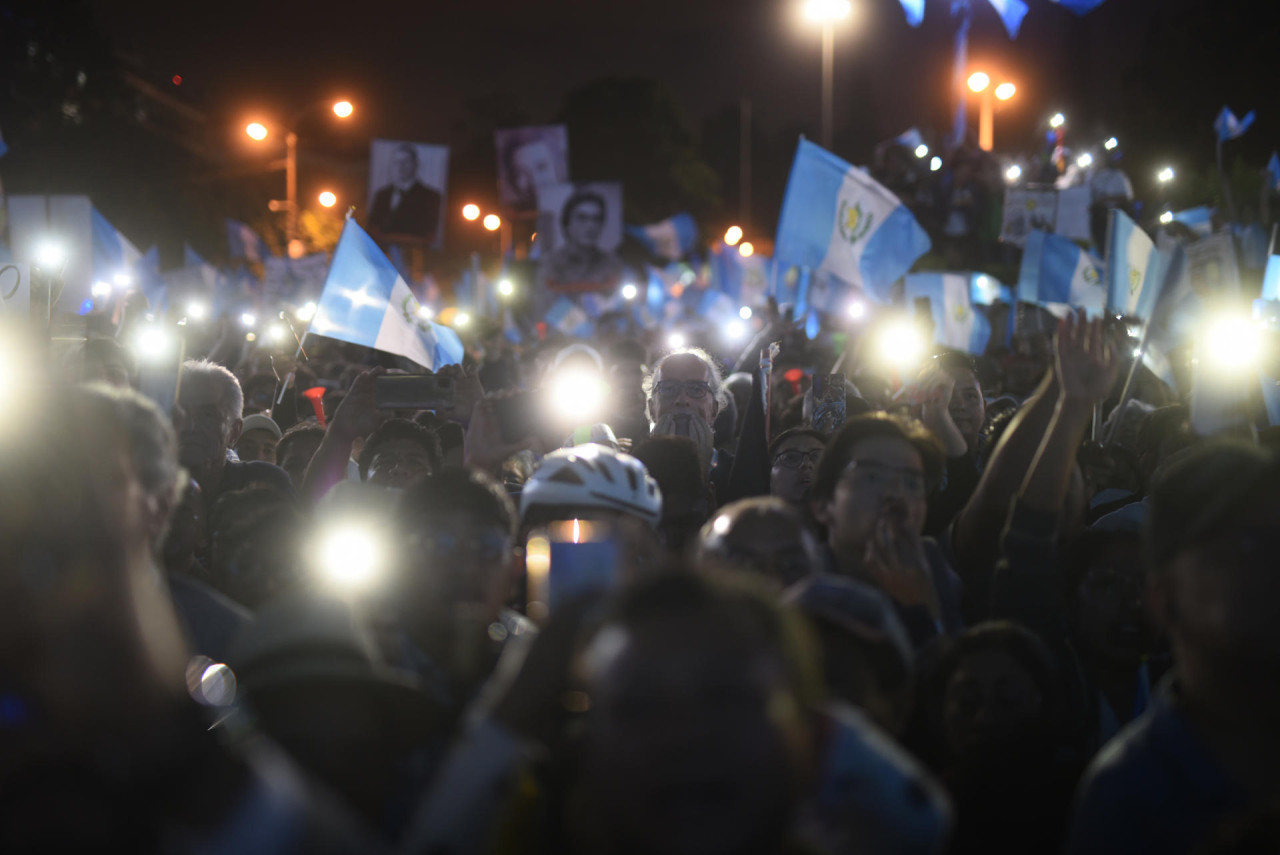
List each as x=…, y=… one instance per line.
x=256, y=131
x=327, y=199
x=470, y=212
x=343, y=109
x=980, y=83
x=492, y=222
x=733, y=235
x=746, y=249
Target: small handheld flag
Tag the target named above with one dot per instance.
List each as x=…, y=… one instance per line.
x=1228, y=127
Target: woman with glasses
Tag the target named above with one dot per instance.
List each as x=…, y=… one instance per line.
x=870, y=490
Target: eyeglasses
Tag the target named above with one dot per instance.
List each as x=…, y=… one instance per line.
x=693, y=389
x=871, y=475
x=794, y=458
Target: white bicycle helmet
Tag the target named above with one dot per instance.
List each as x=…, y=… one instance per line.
x=593, y=476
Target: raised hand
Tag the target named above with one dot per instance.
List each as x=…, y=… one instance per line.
x=357, y=414
x=1085, y=359
x=895, y=560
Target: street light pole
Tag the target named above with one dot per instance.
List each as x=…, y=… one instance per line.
x=986, y=120
x=291, y=189
x=828, y=72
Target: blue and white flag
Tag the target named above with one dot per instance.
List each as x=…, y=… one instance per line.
x=1228, y=127
x=569, y=318
x=1198, y=219
x=837, y=218
x=1055, y=271
x=1080, y=7
x=955, y=322
x=113, y=254
x=744, y=279
x=1271, y=279
x=984, y=290
x=366, y=302
x=914, y=10
x=244, y=243
x=671, y=240
x=1011, y=13
x=1134, y=270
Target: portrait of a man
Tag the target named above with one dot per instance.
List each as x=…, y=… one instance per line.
x=409, y=197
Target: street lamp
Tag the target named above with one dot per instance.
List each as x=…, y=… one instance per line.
x=733, y=235
x=492, y=222
x=258, y=131
x=827, y=13
x=328, y=200
x=470, y=212
x=980, y=84
x=746, y=249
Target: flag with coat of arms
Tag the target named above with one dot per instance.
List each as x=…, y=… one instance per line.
x=367, y=302
x=956, y=324
x=1055, y=271
x=1134, y=268
x=838, y=219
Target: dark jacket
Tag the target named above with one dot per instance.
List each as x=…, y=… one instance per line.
x=418, y=213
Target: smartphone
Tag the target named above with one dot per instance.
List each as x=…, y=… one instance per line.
x=160, y=378
x=567, y=558
x=828, y=402
x=518, y=416
x=413, y=392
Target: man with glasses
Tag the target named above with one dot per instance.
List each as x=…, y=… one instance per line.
x=683, y=395
x=398, y=453
x=457, y=568
x=870, y=491
x=794, y=456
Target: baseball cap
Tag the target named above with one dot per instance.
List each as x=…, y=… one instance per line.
x=257, y=421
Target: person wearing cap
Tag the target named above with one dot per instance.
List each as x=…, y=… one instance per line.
x=258, y=439
x=1208, y=750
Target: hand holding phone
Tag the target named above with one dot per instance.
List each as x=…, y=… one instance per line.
x=414, y=392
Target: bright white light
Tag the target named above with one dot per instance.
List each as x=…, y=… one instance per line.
x=251, y=336
x=577, y=395
x=1165, y=175
x=935, y=164
x=826, y=11
x=248, y=319
x=1013, y=173
x=745, y=313
x=327, y=199
x=675, y=341
x=922, y=150
x=196, y=311
x=1084, y=161
x=461, y=319
x=1005, y=91
x=470, y=212
x=122, y=280
x=506, y=288
x=152, y=343
x=629, y=291
x=100, y=289
x=349, y=557
x=1057, y=120
x=307, y=312
x=1166, y=217
x=735, y=330
x=857, y=310
x=1110, y=144
x=425, y=313
x=732, y=235
x=979, y=80
x=492, y=222
x=746, y=249
x=1233, y=343
x=342, y=109
x=50, y=254
x=901, y=345
x=276, y=333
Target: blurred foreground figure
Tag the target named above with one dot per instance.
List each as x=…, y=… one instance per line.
x=1207, y=752
x=102, y=747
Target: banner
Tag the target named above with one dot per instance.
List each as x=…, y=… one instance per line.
x=529, y=158
x=407, y=183
x=295, y=280
x=1211, y=265
x=670, y=240
x=1061, y=212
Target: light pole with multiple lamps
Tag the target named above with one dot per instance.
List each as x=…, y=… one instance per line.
x=827, y=13
x=258, y=131
x=980, y=83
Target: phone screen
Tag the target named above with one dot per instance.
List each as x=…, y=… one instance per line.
x=828, y=402
x=160, y=377
x=567, y=558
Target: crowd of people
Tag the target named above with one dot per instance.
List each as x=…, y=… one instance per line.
x=615, y=598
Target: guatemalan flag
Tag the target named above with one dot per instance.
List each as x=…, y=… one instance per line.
x=1229, y=127
x=836, y=218
x=1134, y=271
x=366, y=302
x=1055, y=271
x=671, y=240
x=244, y=242
x=955, y=322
